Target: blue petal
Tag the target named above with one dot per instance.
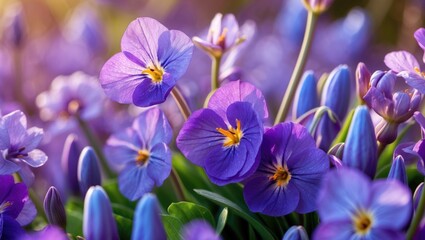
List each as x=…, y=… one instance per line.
x=148, y=93
x=134, y=181
x=335, y=230
x=152, y=127
x=159, y=163
x=147, y=222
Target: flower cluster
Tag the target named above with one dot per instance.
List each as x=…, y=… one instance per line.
x=140, y=139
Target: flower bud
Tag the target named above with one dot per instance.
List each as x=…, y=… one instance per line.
x=336, y=92
x=98, y=220
x=417, y=195
x=362, y=80
x=296, y=233
x=54, y=209
x=360, y=149
x=88, y=170
x=398, y=170
x=306, y=97
x=70, y=156
x=147, y=222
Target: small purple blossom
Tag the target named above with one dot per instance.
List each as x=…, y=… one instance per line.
x=77, y=94
x=18, y=146
x=223, y=35
x=225, y=138
x=153, y=58
x=350, y=206
x=289, y=174
x=394, y=107
x=406, y=65
x=140, y=153
x=16, y=208
x=50, y=232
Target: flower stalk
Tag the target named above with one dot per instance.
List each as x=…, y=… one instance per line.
x=417, y=217
x=299, y=68
x=215, y=72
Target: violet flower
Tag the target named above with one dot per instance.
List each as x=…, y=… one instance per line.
x=289, y=174
x=223, y=35
x=406, y=65
x=361, y=209
x=153, y=58
x=394, y=107
x=398, y=170
x=225, y=138
x=18, y=146
x=306, y=97
x=140, y=154
x=78, y=94
x=50, y=232
x=16, y=208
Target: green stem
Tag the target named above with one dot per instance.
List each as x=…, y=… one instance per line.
x=37, y=203
x=178, y=185
x=299, y=68
x=181, y=103
x=215, y=71
x=417, y=217
x=95, y=143
x=381, y=148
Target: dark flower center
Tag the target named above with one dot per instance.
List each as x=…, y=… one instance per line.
x=233, y=136
x=281, y=176
x=142, y=157
x=154, y=73
x=17, y=153
x=362, y=223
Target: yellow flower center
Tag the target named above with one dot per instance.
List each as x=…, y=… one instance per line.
x=233, y=136
x=142, y=157
x=154, y=73
x=418, y=71
x=362, y=222
x=221, y=41
x=281, y=176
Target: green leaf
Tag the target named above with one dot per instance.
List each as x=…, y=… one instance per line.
x=222, y=218
x=187, y=211
x=124, y=226
x=242, y=212
x=74, y=216
x=115, y=196
x=172, y=227
x=122, y=210
x=251, y=233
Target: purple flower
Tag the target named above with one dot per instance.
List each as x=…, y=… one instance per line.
x=350, y=206
x=223, y=35
x=406, y=65
x=317, y=6
x=289, y=174
x=76, y=94
x=140, y=154
x=295, y=233
x=148, y=211
x=48, y=233
x=394, y=107
x=16, y=208
x=18, y=146
x=225, y=138
x=153, y=58
x=199, y=230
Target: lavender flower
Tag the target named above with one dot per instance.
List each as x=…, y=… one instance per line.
x=16, y=208
x=393, y=107
x=223, y=35
x=18, y=146
x=295, y=233
x=291, y=168
x=361, y=209
x=88, y=170
x=54, y=208
x=225, y=138
x=75, y=95
x=199, y=230
x=362, y=80
x=406, y=65
x=153, y=58
x=140, y=154
x=50, y=232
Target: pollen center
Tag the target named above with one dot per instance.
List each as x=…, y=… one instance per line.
x=281, y=176
x=154, y=73
x=362, y=223
x=233, y=136
x=221, y=41
x=418, y=71
x=4, y=205
x=142, y=157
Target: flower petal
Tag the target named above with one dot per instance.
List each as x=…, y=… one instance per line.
x=148, y=93
x=391, y=204
x=141, y=39
x=414, y=80
x=36, y=158
x=199, y=137
x=340, y=197
x=336, y=230
x=134, y=181
x=159, y=163
x=401, y=61
x=119, y=78
x=152, y=126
